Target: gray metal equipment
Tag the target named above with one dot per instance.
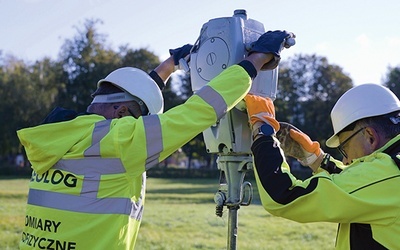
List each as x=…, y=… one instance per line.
x=224, y=42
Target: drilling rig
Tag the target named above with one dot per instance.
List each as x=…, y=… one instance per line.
x=223, y=42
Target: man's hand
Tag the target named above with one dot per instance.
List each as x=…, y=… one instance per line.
x=167, y=67
x=273, y=42
x=298, y=145
x=180, y=53
x=260, y=110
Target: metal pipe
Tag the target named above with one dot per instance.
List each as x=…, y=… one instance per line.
x=232, y=227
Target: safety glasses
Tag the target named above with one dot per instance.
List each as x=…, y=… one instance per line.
x=341, y=145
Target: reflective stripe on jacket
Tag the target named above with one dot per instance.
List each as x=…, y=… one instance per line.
x=87, y=190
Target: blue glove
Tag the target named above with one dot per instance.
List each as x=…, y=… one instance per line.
x=273, y=42
x=180, y=53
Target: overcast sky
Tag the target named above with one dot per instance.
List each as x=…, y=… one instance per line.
x=362, y=37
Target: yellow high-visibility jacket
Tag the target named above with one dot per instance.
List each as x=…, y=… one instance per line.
x=87, y=188
x=362, y=198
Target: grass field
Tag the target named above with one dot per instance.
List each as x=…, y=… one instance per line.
x=180, y=214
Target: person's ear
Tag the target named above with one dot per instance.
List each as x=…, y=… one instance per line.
x=373, y=138
x=121, y=111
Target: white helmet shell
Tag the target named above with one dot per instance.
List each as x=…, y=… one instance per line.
x=138, y=83
x=362, y=101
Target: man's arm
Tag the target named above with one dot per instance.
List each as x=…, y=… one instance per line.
x=165, y=69
x=259, y=59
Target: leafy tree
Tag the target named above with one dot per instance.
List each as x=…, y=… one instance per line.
x=392, y=80
x=139, y=58
x=11, y=75
x=48, y=81
x=86, y=59
x=308, y=88
x=27, y=93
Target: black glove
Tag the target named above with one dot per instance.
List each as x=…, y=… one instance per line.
x=181, y=52
x=273, y=42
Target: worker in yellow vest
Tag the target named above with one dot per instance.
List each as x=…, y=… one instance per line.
x=87, y=189
x=359, y=193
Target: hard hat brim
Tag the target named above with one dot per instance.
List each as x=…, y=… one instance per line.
x=333, y=141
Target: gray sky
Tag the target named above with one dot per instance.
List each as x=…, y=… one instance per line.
x=363, y=37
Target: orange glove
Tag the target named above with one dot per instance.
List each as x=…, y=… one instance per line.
x=297, y=144
x=261, y=109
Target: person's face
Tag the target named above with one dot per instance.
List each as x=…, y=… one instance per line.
x=356, y=143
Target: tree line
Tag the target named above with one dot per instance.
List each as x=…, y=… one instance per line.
x=308, y=87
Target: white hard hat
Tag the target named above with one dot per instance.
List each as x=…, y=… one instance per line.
x=139, y=84
x=362, y=101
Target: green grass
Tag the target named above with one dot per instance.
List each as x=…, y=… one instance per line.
x=180, y=214
x=13, y=193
